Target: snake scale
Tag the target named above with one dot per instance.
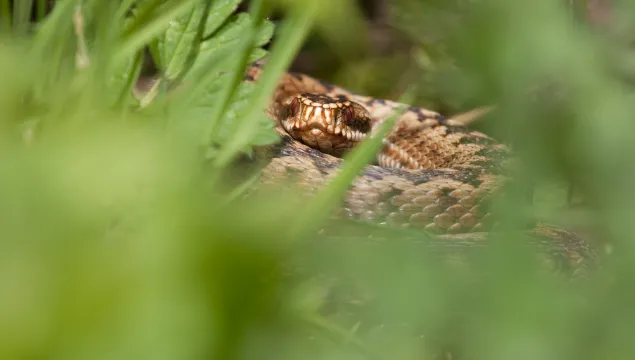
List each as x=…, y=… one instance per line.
x=431, y=174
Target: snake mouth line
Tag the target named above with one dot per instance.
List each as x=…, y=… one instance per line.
x=315, y=128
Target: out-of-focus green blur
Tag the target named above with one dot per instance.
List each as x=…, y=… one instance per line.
x=125, y=232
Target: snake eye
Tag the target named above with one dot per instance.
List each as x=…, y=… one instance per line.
x=348, y=115
x=293, y=107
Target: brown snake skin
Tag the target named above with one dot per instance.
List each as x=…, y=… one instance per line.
x=432, y=174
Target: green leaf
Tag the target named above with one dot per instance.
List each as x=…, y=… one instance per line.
x=265, y=33
x=292, y=33
x=219, y=13
x=148, y=26
x=240, y=102
x=229, y=36
x=214, y=104
x=177, y=41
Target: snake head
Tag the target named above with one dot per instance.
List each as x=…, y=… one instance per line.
x=323, y=122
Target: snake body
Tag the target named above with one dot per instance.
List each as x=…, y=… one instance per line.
x=431, y=174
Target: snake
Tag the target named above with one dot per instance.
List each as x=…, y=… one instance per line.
x=432, y=173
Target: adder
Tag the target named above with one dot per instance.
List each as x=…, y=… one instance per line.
x=432, y=173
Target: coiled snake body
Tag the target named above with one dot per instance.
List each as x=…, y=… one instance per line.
x=431, y=174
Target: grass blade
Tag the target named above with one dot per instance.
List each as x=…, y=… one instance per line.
x=292, y=33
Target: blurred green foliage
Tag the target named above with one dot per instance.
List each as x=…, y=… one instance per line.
x=121, y=238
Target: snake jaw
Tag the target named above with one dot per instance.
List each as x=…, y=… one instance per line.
x=325, y=123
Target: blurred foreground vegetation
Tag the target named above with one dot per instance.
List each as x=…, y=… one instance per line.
x=125, y=233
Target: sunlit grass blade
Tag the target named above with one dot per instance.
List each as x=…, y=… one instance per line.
x=130, y=80
x=291, y=34
x=49, y=31
x=124, y=9
x=53, y=41
x=21, y=15
x=323, y=204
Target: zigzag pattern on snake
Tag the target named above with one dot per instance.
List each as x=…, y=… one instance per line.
x=431, y=174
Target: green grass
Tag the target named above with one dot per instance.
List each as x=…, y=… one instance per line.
x=125, y=231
